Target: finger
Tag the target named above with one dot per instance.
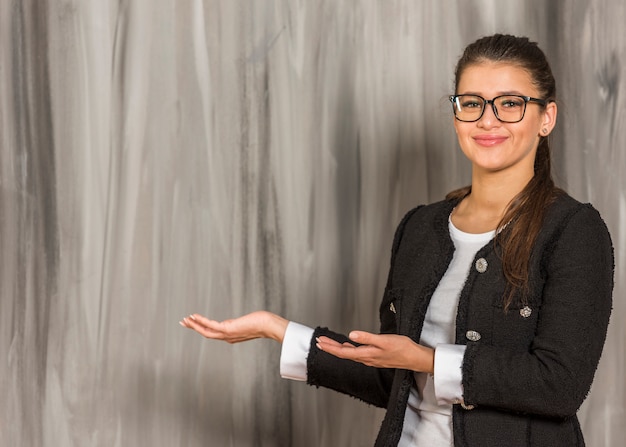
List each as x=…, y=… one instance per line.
x=192, y=323
x=361, y=354
x=201, y=319
x=198, y=321
x=186, y=322
x=327, y=341
x=210, y=330
x=345, y=350
x=362, y=337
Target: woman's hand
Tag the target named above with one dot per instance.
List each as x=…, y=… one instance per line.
x=382, y=351
x=260, y=324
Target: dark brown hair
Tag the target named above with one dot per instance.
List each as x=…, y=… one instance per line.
x=522, y=221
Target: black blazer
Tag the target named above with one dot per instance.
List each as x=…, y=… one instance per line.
x=526, y=371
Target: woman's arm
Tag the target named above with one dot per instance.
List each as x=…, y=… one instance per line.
x=260, y=324
x=381, y=351
x=366, y=383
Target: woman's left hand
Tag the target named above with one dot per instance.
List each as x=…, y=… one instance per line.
x=382, y=351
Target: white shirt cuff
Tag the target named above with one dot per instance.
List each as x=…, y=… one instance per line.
x=295, y=350
x=448, y=373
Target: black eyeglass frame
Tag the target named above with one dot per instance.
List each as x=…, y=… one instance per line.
x=527, y=99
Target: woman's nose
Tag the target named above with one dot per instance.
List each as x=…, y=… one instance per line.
x=489, y=118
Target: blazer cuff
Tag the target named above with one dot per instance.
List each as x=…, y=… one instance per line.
x=448, y=375
x=294, y=352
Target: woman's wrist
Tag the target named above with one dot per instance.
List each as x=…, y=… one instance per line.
x=276, y=327
x=431, y=361
x=424, y=360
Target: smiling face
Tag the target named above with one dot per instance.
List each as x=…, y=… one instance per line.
x=494, y=146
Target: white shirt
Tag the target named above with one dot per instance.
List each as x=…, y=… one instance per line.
x=428, y=417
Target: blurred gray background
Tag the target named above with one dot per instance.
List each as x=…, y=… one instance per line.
x=164, y=157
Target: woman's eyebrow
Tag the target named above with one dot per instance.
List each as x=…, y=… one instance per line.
x=501, y=93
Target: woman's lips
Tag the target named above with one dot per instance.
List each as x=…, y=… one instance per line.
x=489, y=140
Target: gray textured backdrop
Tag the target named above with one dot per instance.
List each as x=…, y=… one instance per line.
x=163, y=157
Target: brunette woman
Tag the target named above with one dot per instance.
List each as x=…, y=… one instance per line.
x=498, y=297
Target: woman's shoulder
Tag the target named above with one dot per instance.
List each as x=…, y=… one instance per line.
x=566, y=210
x=577, y=222
x=433, y=210
x=430, y=219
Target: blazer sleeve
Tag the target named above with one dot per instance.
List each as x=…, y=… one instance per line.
x=369, y=384
x=554, y=376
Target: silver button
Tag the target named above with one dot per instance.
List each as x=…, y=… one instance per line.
x=392, y=308
x=525, y=311
x=481, y=265
x=472, y=335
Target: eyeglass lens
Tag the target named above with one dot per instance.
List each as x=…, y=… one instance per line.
x=508, y=108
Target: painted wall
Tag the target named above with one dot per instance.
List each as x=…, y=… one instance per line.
x=163, y=157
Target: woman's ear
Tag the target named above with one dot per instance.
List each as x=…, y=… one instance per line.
x=549, y=119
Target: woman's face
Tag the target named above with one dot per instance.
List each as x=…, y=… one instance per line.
x=490, y=144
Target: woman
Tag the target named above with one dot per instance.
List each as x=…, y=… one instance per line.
x=498, y=298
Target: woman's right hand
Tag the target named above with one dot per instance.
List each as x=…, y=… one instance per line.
x=260, y=324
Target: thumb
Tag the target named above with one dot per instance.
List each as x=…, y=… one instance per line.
x=361, y=337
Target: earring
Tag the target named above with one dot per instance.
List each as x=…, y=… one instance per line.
x=544, y=131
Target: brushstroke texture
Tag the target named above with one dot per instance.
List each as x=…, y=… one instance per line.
x=221, y=156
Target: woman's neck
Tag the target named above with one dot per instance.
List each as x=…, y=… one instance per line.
x=483, y=209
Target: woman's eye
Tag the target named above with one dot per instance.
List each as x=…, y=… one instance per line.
x=470, y=104
x=511, y=103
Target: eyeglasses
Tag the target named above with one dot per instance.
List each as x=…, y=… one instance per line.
x=507, y=108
